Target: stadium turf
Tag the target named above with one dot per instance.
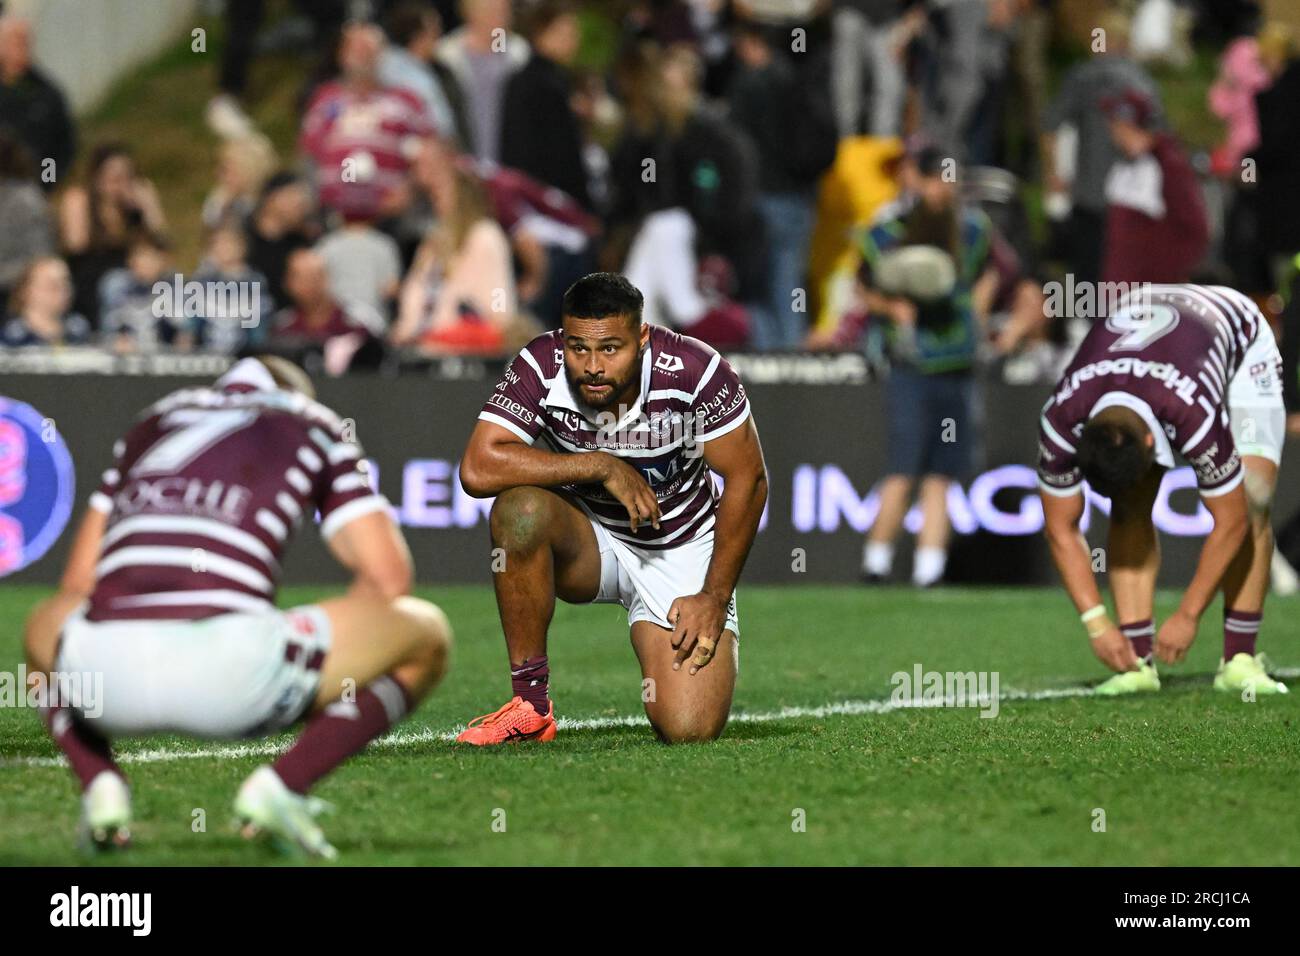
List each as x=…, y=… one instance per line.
x=1187, y=776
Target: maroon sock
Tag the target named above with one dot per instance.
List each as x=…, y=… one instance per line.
x=341, y=730
x=88, y=753
x=1240, y=629
x=1140, y=634
x=531, y=680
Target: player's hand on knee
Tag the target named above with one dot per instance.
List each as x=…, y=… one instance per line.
x=697, y=622
x=1175, y=637
x=1114, y=650
x=632, y=491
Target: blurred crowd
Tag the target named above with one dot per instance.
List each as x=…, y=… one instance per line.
x=758, y=168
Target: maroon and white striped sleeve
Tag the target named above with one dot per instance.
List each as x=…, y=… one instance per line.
x=719, y=404
x=343, y=488
x=516, y=402
x=1058, y=471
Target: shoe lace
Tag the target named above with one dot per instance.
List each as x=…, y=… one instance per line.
x=496, y=715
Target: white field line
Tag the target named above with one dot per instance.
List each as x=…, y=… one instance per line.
x=406, y=738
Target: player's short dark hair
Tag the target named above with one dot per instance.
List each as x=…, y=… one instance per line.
x=287, y=375
x=1113, y=454
x=601, y=295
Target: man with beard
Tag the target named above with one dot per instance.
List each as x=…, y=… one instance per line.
x=600, y=444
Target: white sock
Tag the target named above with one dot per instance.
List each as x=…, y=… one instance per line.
x=928, y=565
x=877, y=558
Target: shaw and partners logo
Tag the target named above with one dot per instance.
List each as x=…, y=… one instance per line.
x=657, y=431
x=36, y=485
x=922, y=688
x=75, y=908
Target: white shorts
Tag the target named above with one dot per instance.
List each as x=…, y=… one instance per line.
x=647, y=581
x=224, y=677
x=1255, y=400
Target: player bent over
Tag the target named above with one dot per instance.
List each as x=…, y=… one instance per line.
x=1185, y=369
x=168, y=599
x=599, y=444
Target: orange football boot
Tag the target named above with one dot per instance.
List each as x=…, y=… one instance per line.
x=514, y=723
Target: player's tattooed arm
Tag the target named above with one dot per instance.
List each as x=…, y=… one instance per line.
x=1231, y=525
x=496, y=460
x=698, y=619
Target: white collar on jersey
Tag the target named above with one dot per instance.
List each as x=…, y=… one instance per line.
x=1164, y=452
x=559, y=395
x=249, y=372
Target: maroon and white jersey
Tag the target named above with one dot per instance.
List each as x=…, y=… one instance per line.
x=1168, y=352
x=689, y=395
x=373, y=130
x=206, y=490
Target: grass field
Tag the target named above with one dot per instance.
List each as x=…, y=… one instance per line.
x=1184, y=777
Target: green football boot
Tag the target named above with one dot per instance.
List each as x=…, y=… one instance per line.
x=1143, y=680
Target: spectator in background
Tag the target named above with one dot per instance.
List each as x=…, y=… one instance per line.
x=283, y=222
x=552, y=238
x=31, y=105
x=482, y=55
x=365, y=267
x=243, y=19
x=99, y=221
x=541, y=134
x=698, y=236
x=1243, y=75
x=791, y=125
x=360, y=135
x=664, y=22
x=1078, y=107
x=225, y=264
x=1156, y=227
x=931, y=332
x=1278, y=173
x=26, y=230
x=414, y=29
x=243, y=167
x=314, y=321
x=1286, y=557
x=134, y=317
x=969, y=54
x=865, y=39
x=459, y=296
x=39, y=307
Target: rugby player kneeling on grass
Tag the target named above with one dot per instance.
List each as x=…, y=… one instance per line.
x=600, y=445
x=1176, y=367
x=169, y=591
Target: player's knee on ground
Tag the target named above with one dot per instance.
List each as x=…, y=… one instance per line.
x=521, y=519
x=678, y=726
